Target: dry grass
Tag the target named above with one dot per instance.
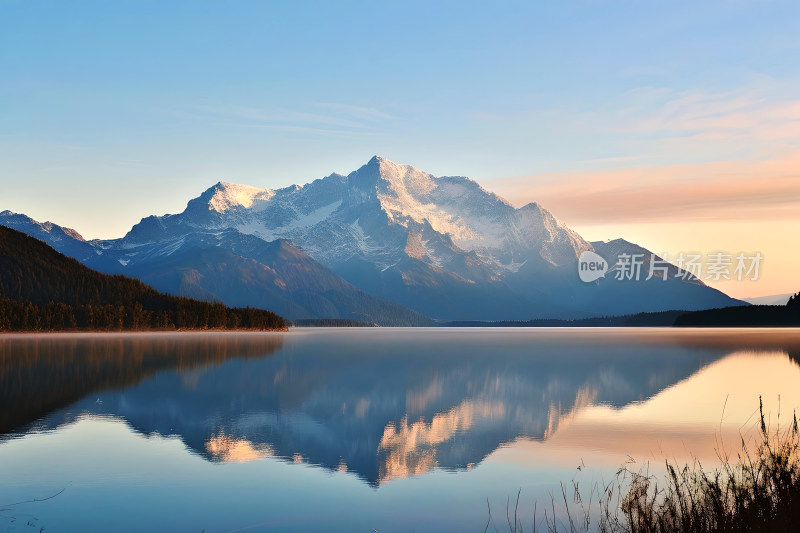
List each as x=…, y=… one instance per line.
x=757, y=490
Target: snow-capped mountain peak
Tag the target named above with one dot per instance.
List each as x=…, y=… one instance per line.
x=226, y=195
x=443, y=246
x=372, y=213
x=474, y=219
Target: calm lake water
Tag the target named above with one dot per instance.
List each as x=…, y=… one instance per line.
x=396, y=430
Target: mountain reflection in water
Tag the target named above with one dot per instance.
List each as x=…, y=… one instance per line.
x=382, y=404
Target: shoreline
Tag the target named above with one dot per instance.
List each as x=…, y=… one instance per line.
x=663, y=329
x=141, y=332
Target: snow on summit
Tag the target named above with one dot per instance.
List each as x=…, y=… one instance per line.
x=474, y=218
x=385, y=211
x=229, y=195
x=390, y=203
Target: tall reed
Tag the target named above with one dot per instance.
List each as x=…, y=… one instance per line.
x=755, y=490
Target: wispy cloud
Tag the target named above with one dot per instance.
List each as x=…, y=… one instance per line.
x=319, y=131
x=615, y=159
x=752, y=136
x=752, y=118
x=366, y=113
x=319, y=119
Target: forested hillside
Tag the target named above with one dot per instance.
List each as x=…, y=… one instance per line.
x=42, y=290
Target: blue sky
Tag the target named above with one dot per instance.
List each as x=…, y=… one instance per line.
x=111, y=111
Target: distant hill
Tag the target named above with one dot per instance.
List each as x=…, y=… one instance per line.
x=750, y=316
x=773, y=299
x=43, y=290
x=655, y=319
x=738, y=316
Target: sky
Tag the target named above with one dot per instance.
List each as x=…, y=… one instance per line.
x=675, y=125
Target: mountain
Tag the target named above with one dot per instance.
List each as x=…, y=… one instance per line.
x=753, y=316
x=66, y=240
x=43, y=290
x=225, y=266
x=243, y=270
x=774, y=299
x=444, y=247
x=440, y=246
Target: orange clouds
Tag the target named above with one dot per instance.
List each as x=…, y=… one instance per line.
x=735, y=205
x=729, y=190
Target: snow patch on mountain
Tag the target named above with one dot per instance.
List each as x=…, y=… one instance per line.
x=419, y=248
x=513, y=267
x=362, y=241
x=299, y=221
x=230, y=195
x=408, y=196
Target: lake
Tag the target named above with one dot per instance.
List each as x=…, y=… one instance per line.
x=392, y=430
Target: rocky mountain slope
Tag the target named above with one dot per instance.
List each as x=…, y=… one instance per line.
x=444, y=247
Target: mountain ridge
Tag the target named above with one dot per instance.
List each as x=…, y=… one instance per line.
x=440, y=246
x=246, y=271
x=44, y=290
